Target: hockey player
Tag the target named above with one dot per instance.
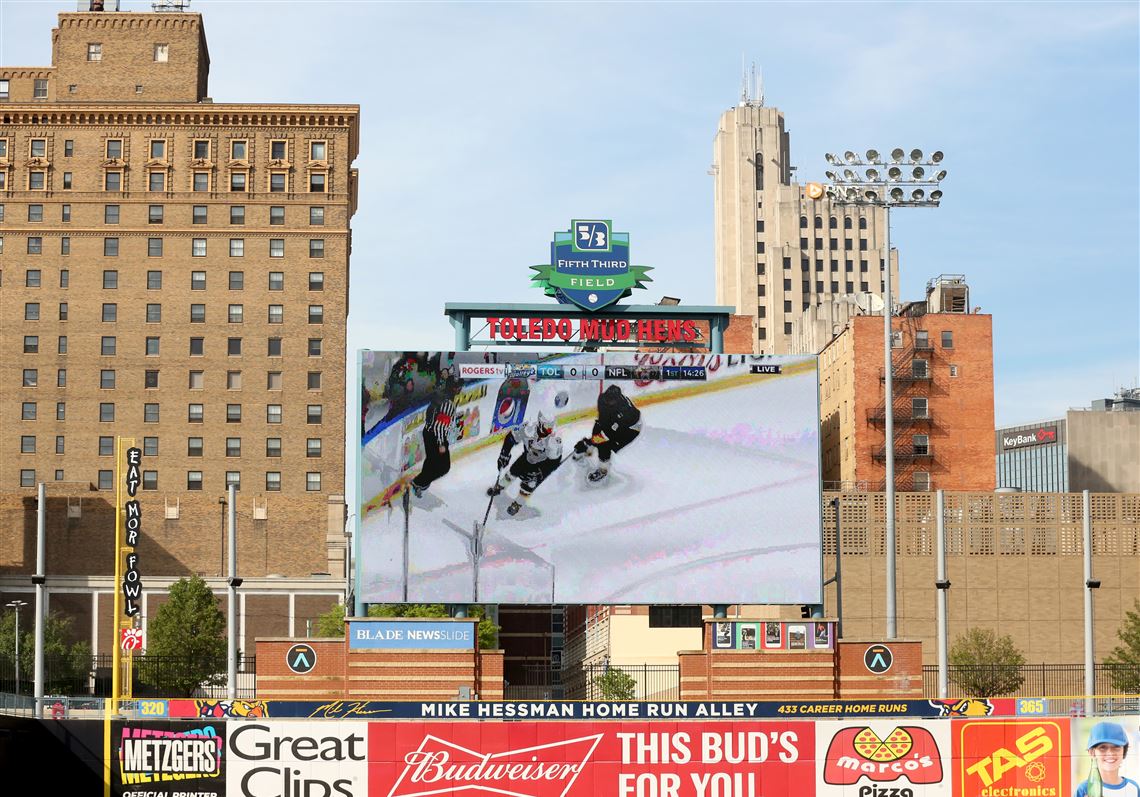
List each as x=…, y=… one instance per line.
x=440, y=429
x=541, y=455
x=618, y=425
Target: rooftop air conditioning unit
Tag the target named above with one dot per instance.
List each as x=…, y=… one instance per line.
x=260, y=512
x=172, y=512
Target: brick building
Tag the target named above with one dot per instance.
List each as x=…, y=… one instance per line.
x=174, y=271
x=942, y=356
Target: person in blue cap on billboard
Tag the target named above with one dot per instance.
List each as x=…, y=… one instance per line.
x=1108, y=746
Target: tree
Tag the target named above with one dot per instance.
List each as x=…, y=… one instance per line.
x=67, y=665
x=187, y=644
x=331, y=623
x=615, y=684
x=1124, y=661
x=984, y=664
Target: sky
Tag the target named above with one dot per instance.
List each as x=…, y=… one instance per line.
x=487, y=126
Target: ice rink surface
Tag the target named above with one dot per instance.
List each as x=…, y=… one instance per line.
x=705, y=502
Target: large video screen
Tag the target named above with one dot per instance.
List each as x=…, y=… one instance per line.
x=588, y=478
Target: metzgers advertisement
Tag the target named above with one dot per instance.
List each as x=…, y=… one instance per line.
x=163, y=759
x=588, y=759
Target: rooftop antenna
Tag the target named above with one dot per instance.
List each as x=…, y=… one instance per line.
x=745, y=88
x=758, y=83
x=170, y=5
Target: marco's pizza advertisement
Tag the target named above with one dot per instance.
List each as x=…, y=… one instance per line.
x=883, y=758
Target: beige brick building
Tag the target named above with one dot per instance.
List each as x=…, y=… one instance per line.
x=173, y=271
x=779, y=252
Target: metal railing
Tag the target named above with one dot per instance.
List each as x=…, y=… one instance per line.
x=1033, y=680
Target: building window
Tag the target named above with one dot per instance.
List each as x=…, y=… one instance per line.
x=3, y=96
x=314, y=380
x=317, y=183
x=947, y=339
x=276, y=314
x=919, y=368
x=31, y=311
x=193, y=446
x=152, y=346
x=28, y=478
x=150, y=413
x=276, y=280
x=197, y=280
x=273, y=380
x=317, y=150
x=233, y=477
x=35, y=245
x=237, y=181
x=233, y=380
x=312, y=481
x=61, y=345
x=921, y=481
x=156, y=181
x=36, y=212
x=107, y=379
x=201, y=150
x=316, y=313
x=201, y=181
x=110, y=247
x=233, y=347
x=233, y=446
x=237, y=247
x=277, y=182
x=194, y=413
x=27, y=444
x=107, y=346
x=110, y=312
x=233, y=413
x=197, y=314
x=317, y=216
x=66, y=180
x=162, y=53
x=277, y=215
x=953, y=371
x=273, y=446
x=277, y=150
x=31, y=344
x=237, y=150
x=154, y=247
x=273, y=413
x=31, y=377
x=919, y=407
x=36, y=180
x=32, y=278
x=193, y=480
x=921, y=340
x=150, y=446
x=198, y=247
x=316, y=247
x=313, y=413
x=313, y=447
x=272, y=481
x=107, y=412
x=150, y=379
x=237, y=214
x=274, y=347
x=277, y=247
x=314, y=347
x=113, y=181
x=199, y=214
x=94, y=51
x=316, y=280
x=114, y=149
x=197, y=347
x=158, y=148
x=197, y=380
x=106, y=446
x=28, y=411
x=64, y=277
x=235, y=313
x=150, y=480
x=920, y=444
x=61, y=377
x=154, y=280
x=106, y=479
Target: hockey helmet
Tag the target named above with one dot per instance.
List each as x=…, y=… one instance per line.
x=544, y=425
x=612, y=396
x=1107, y=733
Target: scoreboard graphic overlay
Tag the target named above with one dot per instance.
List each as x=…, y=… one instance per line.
x=632, y=478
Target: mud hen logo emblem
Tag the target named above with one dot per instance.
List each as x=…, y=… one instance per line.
x=589, y=266
x=906, y=752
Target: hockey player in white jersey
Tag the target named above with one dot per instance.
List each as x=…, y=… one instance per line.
x=541, y=456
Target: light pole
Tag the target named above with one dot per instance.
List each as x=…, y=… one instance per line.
x=900, y=183
x=16, y=605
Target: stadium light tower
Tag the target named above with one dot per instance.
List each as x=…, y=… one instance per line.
x=16, y=605
x=902, y=182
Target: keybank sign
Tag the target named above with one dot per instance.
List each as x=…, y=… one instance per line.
x=401, y=634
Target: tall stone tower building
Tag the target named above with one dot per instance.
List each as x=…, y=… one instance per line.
x=779, y=252
x=174, y=271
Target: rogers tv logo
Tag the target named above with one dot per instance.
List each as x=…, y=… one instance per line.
x=907, y=752
x=545, y=770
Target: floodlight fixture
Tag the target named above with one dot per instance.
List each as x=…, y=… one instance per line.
x=936, y=157
x=873, y=155
x=918, y=172
x=894, y=173
x=850, y=175
x=873, y=175
x=897, y=194
x=897, y=155
x=917, y=194
x=915, y=155
x=850, y=157
x=935, y=196
x=832, y=159
x=831, y=176
x=870, y=194
x=939, y=177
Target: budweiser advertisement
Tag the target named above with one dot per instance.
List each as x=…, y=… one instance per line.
x=588, y=759
x=588, y=478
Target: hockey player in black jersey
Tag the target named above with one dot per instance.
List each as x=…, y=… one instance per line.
x=618, y=425
x=540, y=457
x=440, y=430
